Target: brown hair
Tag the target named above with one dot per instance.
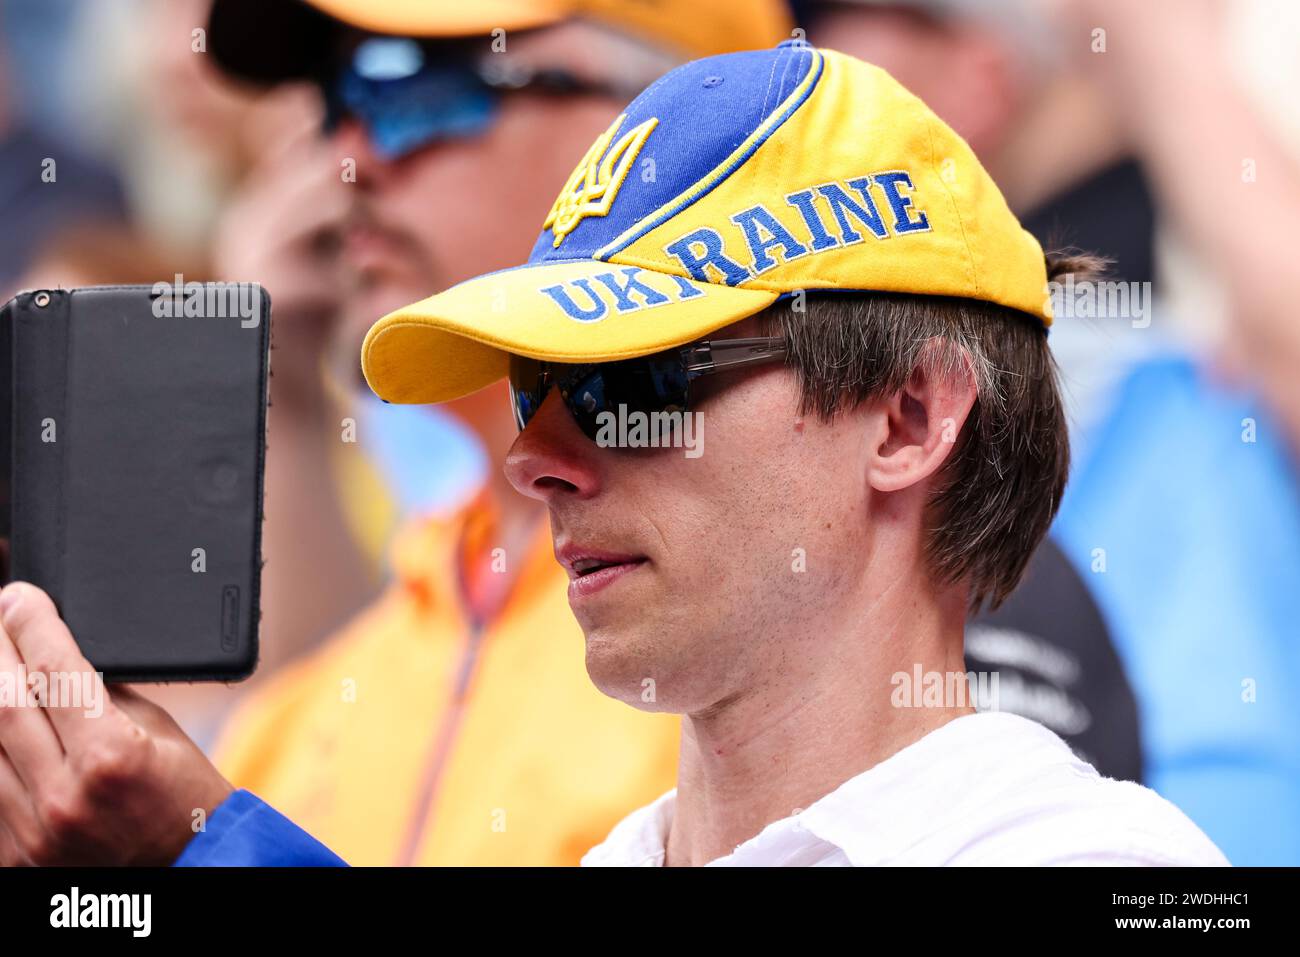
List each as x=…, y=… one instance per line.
x=1000, y=488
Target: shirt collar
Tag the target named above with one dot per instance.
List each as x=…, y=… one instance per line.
x=970, y=763
x=639, y=840
x=876, y=815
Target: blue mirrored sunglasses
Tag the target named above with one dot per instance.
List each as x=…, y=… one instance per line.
x=409, y=93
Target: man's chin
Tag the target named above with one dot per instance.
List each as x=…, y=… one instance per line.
x=638, y=669
x=365, y=306
x=619, y=672
x=377, y=297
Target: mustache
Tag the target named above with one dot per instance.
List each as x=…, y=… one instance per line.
x=366, y=221
x=595, y=532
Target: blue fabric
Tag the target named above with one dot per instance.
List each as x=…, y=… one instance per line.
x=705, y=110
x=429, y=459
x=244, y=831
x=1201, y=589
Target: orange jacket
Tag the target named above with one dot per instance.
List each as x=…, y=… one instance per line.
x=414, y=737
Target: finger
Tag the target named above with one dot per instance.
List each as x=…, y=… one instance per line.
x=45, y=645
x=283, y=119
x=301, y=194
x=17, y=816
x=26, y=733
x=11, y=855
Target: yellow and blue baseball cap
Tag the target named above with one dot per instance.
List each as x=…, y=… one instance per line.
x=730, y=182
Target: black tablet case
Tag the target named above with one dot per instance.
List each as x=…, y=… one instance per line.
x=159, y=447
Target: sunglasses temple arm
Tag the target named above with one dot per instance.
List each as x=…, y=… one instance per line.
x=733, y=354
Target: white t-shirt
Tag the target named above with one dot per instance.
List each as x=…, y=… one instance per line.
x=985, y=789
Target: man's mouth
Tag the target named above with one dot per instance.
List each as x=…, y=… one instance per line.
x=591, y=570
x=364, y=241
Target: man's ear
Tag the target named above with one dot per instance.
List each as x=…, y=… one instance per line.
x=922, y=421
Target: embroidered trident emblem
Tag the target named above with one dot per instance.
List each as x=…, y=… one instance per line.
x=595, y=182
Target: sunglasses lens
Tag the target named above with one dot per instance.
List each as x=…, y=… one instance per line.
x=655, y=383
x=584, y=391
x=528, y=389
x=406, y=103
x=652, y=384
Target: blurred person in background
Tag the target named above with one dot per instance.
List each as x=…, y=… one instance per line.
x=198, y=151
x=1192, y=486
x=1048, y=643
x=45, y=185
x=283, y=227
x=206, y=164
x=452, y=721
x=1182, y=514
x=143, y=93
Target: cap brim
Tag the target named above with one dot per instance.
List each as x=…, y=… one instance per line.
x=268, y=41
x=461, y=340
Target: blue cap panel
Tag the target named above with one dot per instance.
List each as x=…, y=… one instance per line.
x=705, y=110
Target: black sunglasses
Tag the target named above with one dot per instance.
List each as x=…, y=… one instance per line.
x=649, y=384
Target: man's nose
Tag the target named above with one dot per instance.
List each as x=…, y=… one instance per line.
x=355, y=153
x=552, y=459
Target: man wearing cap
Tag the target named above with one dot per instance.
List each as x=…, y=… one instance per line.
x=826, y=278
x=798, y=591
x=452, y=722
